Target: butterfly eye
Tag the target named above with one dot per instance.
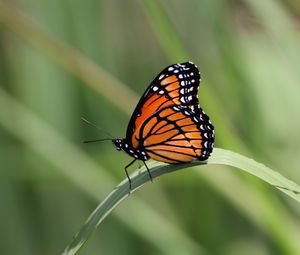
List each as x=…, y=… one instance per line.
x=118, y=143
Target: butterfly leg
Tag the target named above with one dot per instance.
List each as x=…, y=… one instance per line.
x=129, y=180
x=149, y=173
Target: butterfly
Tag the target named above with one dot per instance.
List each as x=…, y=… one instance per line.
x=168, y=124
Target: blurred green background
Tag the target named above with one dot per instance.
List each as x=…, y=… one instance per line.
x=63, y=59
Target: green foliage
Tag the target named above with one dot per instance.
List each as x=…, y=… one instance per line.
x=60, y=60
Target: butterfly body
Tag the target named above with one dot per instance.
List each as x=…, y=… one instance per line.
x=168, y=123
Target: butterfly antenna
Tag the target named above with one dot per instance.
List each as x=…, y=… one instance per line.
x=98, y=140
x=100, y=129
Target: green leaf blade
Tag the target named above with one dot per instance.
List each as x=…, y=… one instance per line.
x=140, y=177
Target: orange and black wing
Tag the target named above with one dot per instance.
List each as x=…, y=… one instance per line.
x=175, y=85
x=177, y=134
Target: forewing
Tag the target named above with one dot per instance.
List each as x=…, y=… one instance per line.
x=175, y=85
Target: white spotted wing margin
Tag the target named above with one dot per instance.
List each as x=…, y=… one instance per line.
x=189, y=78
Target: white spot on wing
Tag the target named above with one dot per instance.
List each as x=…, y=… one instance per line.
x=162, y=76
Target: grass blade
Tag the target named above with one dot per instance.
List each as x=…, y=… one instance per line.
x=140, y=177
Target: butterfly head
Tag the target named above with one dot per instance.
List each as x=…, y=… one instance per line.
x=122, y=144
x=119, y=143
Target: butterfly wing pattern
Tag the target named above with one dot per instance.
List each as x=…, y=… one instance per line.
x=168, y=123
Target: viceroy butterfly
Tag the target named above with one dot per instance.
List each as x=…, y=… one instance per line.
x=168, y=123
